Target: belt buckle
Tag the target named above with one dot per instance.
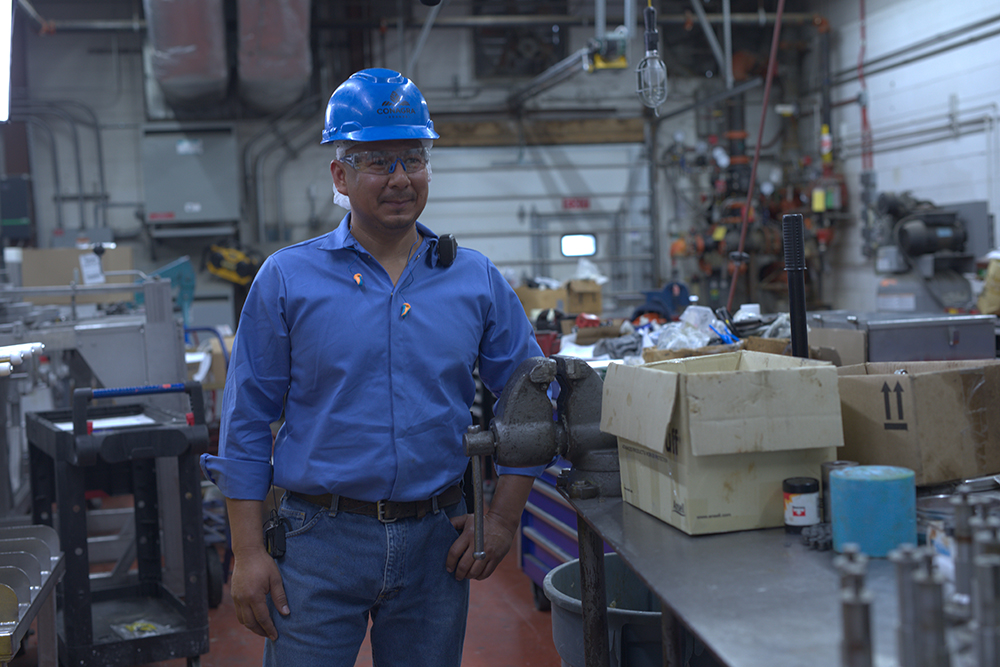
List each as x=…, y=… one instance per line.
x=380, y=508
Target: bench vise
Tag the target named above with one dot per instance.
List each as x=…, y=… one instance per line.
x=529, y=431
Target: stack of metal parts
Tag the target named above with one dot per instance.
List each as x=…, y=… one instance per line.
x=940, y=625
x=30, y=566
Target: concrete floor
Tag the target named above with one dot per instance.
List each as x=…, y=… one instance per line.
x=504, y=630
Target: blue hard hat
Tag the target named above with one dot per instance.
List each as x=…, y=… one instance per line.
x=377, y=105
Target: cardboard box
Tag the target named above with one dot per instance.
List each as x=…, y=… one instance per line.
x=583, y=296
x=940, y=419
x=42, y=267
x=704, y=443
x=750, y=344
x=534, y=300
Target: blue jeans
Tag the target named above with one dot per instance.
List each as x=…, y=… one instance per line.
x=341, y=568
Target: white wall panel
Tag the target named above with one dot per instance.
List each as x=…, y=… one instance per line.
x=960, y=84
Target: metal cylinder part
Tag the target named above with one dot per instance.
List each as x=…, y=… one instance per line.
x=962, y=506
x=907, y=560
x=478, y=509
x=986, y=598
x=928, y=598
x=856, y=646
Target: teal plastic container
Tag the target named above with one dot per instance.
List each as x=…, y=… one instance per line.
x=874, y=507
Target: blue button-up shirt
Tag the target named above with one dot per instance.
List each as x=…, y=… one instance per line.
x=375, y=381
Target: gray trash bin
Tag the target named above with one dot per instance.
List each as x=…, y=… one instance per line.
x=633, y=615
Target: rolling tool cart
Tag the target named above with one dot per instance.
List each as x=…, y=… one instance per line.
x=115, y=449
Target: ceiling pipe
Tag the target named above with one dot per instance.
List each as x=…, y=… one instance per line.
x=727, y=36
x=522, y=20
x=561, y=71
x=46, y=26
x=713, y=41
x=712, y=99
x=424, y=34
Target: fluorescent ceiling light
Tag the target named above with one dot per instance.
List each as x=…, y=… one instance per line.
x=6, y=25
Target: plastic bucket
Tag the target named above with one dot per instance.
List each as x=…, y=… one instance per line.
x=634, y=632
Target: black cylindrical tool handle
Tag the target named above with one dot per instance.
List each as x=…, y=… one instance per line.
x=795, y=266
x=652, y=35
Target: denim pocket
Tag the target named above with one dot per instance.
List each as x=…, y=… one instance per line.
x=301, y=515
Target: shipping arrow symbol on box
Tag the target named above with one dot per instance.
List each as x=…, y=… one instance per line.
x=888, y=407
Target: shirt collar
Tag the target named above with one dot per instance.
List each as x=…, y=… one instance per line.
x=341, y=237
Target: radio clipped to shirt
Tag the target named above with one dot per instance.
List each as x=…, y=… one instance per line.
x=274, y=534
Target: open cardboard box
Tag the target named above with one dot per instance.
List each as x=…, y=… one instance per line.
x=940, y=419
x=704, y=443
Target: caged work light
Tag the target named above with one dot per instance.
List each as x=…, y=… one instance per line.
x=651, y=73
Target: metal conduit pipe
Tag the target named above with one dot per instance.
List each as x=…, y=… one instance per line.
x=930, y=41
x=929, y=135
x=94, y=124
x=652, y=132
x=425, y=32
x=99, y=147
x=713, y=41
x=36, y=110
x=57, y=196
x=276, y=143
x=517, y=21
x=919, y=57
x=271, y=123
x=279, y=170
x=944, y=118
x=727, y=36
x=271, y=128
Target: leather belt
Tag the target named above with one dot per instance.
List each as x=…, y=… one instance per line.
x=385, y=511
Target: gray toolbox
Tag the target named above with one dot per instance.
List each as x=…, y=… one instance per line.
x=914, y=336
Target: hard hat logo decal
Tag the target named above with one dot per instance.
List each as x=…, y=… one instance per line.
x=396, y=105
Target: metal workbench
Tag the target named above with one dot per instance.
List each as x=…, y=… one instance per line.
x=755, y=598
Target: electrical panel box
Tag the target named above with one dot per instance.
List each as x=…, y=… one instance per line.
x=16, y=219
x=191, y=178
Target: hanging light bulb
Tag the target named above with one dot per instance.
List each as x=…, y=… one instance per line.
x=651, y=74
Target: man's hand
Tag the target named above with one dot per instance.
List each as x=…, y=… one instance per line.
x=255, y=574
x=499, y=528
x=496, y=544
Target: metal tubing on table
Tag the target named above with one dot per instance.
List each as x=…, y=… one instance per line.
x=593, y=596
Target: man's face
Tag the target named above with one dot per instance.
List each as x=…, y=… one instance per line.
x=382, y=203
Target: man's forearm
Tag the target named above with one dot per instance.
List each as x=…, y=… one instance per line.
x=509, y=498
x=246, y=521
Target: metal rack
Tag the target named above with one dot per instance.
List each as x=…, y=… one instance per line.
x=115, y=449
x=30, y=565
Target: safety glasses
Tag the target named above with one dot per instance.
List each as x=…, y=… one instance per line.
x=382, y=163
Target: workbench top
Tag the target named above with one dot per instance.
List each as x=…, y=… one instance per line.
x=756, y=598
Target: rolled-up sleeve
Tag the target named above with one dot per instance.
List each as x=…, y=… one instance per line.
x=256, y=383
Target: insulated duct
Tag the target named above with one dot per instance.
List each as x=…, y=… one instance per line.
x=274, y=57
x=188, y=43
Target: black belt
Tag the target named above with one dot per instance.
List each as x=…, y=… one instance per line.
x=385, y=511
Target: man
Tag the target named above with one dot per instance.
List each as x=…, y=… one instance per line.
x=365, y=340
